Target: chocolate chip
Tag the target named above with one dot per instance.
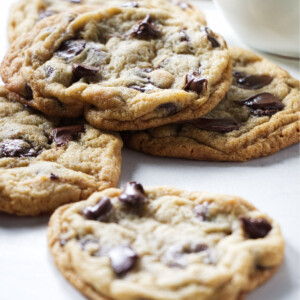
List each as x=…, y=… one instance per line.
x=133, y=194
x=49, y=71
x=45, y=14
x=195, y=83
x=195, y=248
x=146, y=29
x=256, y=228
x=146, y=88
x=175, y=255
x=201, y=211
x=170, y=108
x=123, y=259
x=251, y=82
x=210, y=37
x=81, y=70
x=99, y=210
x=17, y=148
x=177, y=264
x=147, y=70
x=264, y=104
x=85, y=241
x=262, y=268
x=217, y=125
x=70, y=122
x=63, y=135
x=75, y=1
x=70, y=48
x=28, y=92
x=184, y=36
x=62, y=242
x=130, y=4
x=54, y=177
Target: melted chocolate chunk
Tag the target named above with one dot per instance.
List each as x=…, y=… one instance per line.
x=195, y=83
x=184, y=36
x=146, y=29
x=217, y=125
x=70, y=122
x=123, y=259
x=147, y=70
x=256, y=228
x=85, y=241
x=63, y=135
x=195, y=248
x=175, y=256
x=133, y=194
x=262, y=268
x=130, y=4
x=264, y=104
x=210, y=37
x=45, y=14
x=99, y=210
x=80, y=70
x=178, y=264
x=28, y=92
x=147, y=87
x=70, y=48
x=54, y=177
x=62, y=242
x=17, y=148
x=170, y=108
x=251, y=82
x=201, y=211
x=49, y=71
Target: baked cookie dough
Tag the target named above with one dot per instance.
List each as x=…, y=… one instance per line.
x=131, y=68
x=26, y=13
x=163, y=243
x=45, y=163
x=259, y=116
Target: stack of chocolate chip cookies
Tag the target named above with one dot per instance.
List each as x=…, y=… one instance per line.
x=83, y=76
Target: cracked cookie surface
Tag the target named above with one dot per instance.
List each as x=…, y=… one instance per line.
x=45, y=163
x=130, y=68
x=163, y=243
x=26, y=13
x=259, y=116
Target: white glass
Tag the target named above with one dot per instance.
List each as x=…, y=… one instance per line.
x=267, y=25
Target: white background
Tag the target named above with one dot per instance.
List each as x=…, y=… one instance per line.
x=272, y=184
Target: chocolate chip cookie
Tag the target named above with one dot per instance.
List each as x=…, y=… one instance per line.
x=45, y=163
x=130, y=68
x=26, y=13
x=164, y=244
x=259, y=116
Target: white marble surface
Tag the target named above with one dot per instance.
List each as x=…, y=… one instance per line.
x=272, y=184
